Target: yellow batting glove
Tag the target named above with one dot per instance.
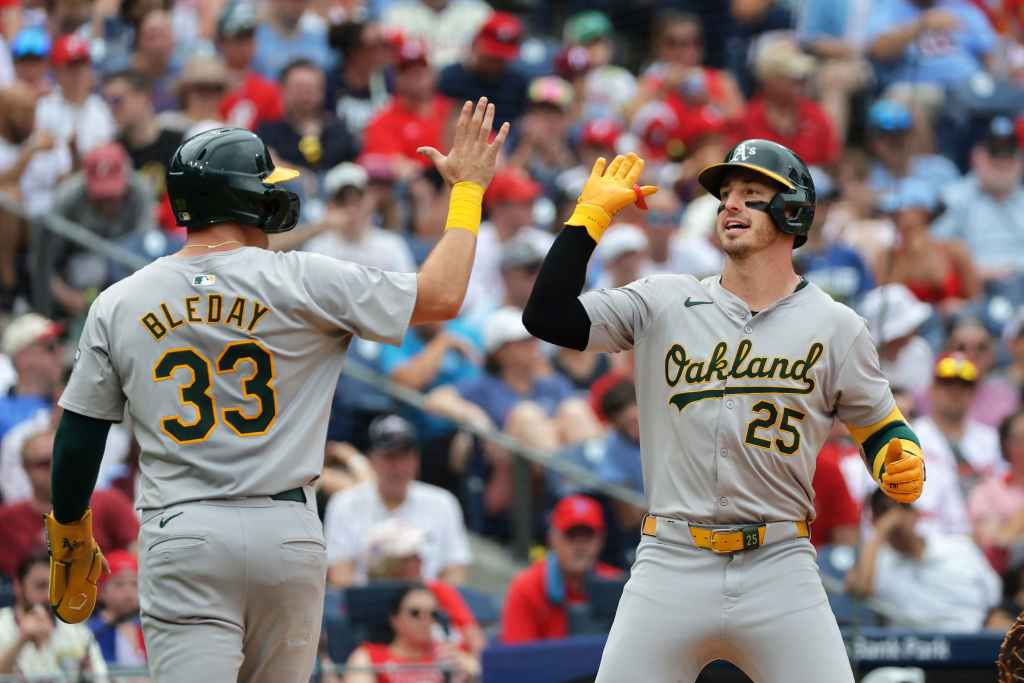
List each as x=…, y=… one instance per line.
x=75, y=566
x=608, y=191
x=903, y=478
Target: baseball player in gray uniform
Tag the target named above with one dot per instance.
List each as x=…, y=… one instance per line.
x=225, y=356
x=739, y=379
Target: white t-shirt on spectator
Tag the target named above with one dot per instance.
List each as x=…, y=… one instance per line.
x=447, y=33
x=41, y=176
x=913, y=368
x=351, y=514
x=379, y=248
x=485, y=283
x=64, y=650
x=951, y=588
x=979, y=446
x=90, y=123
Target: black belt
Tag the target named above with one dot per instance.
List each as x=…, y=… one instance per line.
x=296, y=494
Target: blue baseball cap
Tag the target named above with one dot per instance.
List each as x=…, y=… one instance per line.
x=890, y=116
x=31, y=41
x=909, y=192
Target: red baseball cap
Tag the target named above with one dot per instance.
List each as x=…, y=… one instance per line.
x=600, y=132
x=577, y=510
x=511, y=184
x=69, y=48
x=106, y=169
x=119, y=561
x=410, y=53
x=499, y=37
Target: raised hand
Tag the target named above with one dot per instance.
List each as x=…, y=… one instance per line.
x=472, y=158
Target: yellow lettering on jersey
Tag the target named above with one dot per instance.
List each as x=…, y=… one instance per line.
x=214, y=306
x=170, y=318
x=190, y=309
x=153, y=324
x=236, y=313
x=258, y=312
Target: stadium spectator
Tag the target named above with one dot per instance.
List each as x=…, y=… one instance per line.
x=990, y=195
x=307, y=136
x=393, y=553
x=937, y=272
x=509, y=205
x=836, y=513
x=669, y=251
x=72, y=111
x=359, y=88
x=32, y=159
x=997, y=396
x=199, y=87
x=33, y=642
x=1013, y=341
x=833, y=266
x=895, y=317
x=833, y=32
x=941, y=581
x=894, y=138
x=30, y=51
x=447, y=27
x=32, y=343
x=110, y=200
x=678, y=67
x=396, y=494
x=286, y=35
x=344, y=467
x=116, y=625
x=347, y=231
x=413, y=617
x=780, y=109
x=996, y=504
x=604, y=89
x=489, y=70
x=621, y=461
x=415, y=117
x=536, y=601
x=253, y=98
x=149, y=144
x=153, y=56
x=623, y=254
x=542, y=148
x=597, y=137
x=21, y=524
x=853, y=219
x=922, y=48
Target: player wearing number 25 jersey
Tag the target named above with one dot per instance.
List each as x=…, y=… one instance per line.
x=739, y=378
x=225, y=356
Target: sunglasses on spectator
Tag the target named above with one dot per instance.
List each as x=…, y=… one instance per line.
x=980, y=347
x=670, y=41
x=208, y=88
x=417, y=613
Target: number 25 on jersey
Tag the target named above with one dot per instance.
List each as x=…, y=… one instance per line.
x=197, y=393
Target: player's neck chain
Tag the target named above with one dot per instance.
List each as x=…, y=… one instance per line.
x=211, y=246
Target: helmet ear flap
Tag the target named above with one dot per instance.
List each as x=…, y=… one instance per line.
x=280, y=210
x=792, y=211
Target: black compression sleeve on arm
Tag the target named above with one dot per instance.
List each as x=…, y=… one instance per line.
x=554, y=313
x=77, y=451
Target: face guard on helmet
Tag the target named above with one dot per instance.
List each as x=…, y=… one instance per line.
x=792, y=208
x=226, y=174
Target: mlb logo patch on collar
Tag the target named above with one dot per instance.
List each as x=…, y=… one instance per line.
x=203, y=280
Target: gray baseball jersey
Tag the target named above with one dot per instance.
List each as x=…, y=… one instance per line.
x=227, y=363
x=734, y=407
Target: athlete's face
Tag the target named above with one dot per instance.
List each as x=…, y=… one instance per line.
x=744, y=231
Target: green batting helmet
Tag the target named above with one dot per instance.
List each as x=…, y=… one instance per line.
x=226, y=174
x=783, y=166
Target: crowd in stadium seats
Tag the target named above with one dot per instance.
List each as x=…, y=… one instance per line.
x=910, y=113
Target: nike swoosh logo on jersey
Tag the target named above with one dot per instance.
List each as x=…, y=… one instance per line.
x=164, y=520
x=690, y=302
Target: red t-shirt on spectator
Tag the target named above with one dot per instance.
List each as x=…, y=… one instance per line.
x=397, y=130
x=815, y=140
x=528, y=614
x=114, y=526
x=833, y=504
x=256, y=100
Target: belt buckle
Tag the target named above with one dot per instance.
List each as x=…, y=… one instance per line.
x=713, y=538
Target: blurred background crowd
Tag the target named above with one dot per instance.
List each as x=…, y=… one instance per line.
x=910, y=113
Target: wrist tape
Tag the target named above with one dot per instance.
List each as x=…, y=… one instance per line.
x=464, y=206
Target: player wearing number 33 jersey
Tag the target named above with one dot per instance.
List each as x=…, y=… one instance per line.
x=225, y=357
x=739, y=377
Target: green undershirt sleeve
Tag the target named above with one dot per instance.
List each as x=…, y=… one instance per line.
x=77, y=452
